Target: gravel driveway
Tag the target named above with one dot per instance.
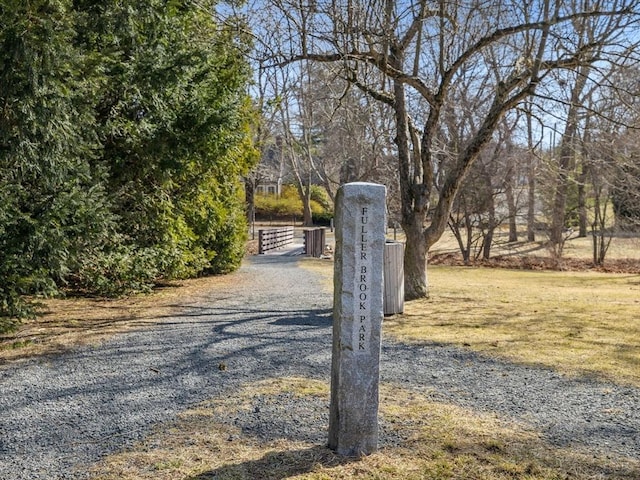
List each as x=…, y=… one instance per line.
x=61, y=413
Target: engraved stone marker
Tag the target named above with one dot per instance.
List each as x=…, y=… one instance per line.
x=357, y=318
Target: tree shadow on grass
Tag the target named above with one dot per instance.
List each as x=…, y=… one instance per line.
x=278, y=465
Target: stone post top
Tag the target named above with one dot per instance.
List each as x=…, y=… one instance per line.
x=364, y=189
x=363, y=184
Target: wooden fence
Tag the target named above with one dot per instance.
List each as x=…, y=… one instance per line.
x=274, y=238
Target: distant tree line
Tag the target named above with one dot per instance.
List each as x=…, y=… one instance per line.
x=124, y=131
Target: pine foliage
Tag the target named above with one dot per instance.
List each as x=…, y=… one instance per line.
x=123, y=136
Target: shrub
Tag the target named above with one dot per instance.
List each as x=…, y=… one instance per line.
x=322, y=219
x=289, y=204
x=117, y=169
x=320, y=196
x=123, y=271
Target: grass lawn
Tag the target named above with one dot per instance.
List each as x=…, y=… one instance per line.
x=576, y=322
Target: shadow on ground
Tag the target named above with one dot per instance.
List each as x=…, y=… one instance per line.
x=278, y=465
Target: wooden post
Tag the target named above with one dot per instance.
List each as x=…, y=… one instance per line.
x=260, y=242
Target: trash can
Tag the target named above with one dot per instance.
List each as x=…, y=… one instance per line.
x=314, y=242
x=393, y=301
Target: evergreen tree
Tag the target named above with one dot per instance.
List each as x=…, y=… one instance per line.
x=172, y=119
x=123, y=135
x=52, y=205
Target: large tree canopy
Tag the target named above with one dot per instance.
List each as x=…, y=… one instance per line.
x=431, y=61
x=123, y=135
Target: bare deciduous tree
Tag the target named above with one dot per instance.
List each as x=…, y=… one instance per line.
x=353, y=131
x=410, y=55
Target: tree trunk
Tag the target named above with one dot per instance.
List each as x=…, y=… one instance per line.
x=304, y=192
x=561, y=187
x=558, y=214
x=582, y=207
x=413, y=206
x=511, y=201
x=582, y=186
x=455, y=229
x=531, y=200
x=468, y=226
x=531, y=184
x=488, y=238
x=415, y=264
x=565, y=166
x=249, y=198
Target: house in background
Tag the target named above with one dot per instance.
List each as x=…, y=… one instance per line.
x=270, y=186
x=270, y=172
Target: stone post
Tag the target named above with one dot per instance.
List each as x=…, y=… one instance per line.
x=357, y=318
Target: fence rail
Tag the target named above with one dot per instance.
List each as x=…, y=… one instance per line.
x=274, y=238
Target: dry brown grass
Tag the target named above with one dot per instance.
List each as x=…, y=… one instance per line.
x=578, y=322
x=575, y=248
x=437, y=441
x=575, y=322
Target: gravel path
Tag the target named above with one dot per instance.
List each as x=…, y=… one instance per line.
x=63, y=412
